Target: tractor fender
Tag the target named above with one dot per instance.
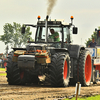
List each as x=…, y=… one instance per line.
x=61, y=50
x=74, y=50
x=55, y=50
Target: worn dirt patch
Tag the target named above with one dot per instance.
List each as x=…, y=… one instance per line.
x=41, y=92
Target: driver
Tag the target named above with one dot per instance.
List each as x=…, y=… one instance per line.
x=54, y=35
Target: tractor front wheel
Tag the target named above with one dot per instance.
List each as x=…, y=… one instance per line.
x=84, y=69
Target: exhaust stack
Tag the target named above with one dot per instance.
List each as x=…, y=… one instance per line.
x=47, y=17
x=46, y=26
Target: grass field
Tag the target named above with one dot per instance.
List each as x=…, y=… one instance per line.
x=2, y=72
x=2, y=69
x=97, y=97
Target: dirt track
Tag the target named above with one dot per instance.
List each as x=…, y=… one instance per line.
x=37, y=92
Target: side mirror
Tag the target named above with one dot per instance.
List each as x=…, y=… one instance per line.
x=23, y=30
x=75, y=29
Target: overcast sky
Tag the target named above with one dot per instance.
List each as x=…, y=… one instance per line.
x=86, y=15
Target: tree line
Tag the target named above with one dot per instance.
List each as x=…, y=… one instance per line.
x=12, y=35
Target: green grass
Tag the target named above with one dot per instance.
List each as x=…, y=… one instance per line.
x=2, y=69
x=2, y=74
x=97, y=97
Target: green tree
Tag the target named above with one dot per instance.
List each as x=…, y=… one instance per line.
x=87, y=42
x=12, y=35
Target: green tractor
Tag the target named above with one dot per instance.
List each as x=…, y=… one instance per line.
x=60, y=61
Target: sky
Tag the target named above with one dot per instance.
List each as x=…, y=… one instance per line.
x=86, y=15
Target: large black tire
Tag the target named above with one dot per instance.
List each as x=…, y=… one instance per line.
x=59, y=69
x=84, y=70
x=15, y=76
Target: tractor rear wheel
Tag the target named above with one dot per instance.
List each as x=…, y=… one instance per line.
x=15, y=76
x=84, y=69
x=59, y=69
